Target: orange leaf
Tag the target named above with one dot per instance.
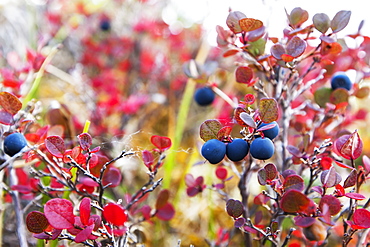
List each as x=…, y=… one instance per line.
x=250, y=24
x=229, y=53
x=287, y=58
x=10, y=102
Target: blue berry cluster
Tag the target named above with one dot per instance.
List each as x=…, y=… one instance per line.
x=261, y=147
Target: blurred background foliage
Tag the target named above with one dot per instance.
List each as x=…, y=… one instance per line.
x=121, y=67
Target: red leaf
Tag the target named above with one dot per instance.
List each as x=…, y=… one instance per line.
x=349, y=146
x=339, y=190
x=84, y=234
x=85, y=141
x=293, y=182
x=304, y=221
x=55, y=145
x=355, y=196
x=326, y=163
x=366, y=163
x=293, y=150
x=36, y=222
x=249, y=98
x=114, y=214
x=271, y=171
x=294, y=201
x=161, y=142
x=237, y=117
x=243, y=74
x=190, y=180
x=234, y=208
x=333, y=203
x=10, y=102
x=166, y=212
x=361, y=217
x=148, y=158
x=85, y=210
x=224, y=132
x=59, y=213
x=162, y=199
x=330, y=178
x=112, y=176
x=340, y=164
x=239, y=222
x=351, y=179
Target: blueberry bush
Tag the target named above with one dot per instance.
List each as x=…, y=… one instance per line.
x=119, y=129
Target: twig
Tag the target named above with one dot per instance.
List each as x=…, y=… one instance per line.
x=287, y=238
x=17, y=208
x=244, y=192
x=142, y=192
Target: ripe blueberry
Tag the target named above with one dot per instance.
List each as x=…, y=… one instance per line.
x=214, y=151
x=271, y=133
x=14, y=143
x=341, y=80
x=237, y=149
x=262, y=148
x=204, y=96
x=105, y=25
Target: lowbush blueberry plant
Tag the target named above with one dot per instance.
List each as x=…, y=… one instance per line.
x=285, y=134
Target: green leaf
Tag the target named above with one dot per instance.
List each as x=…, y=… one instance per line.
x=268, y=110
x=322, y=96
x=340, y=20
x=339, y=95
x=209, y=129
x=257, y=48
x=298, y=16
x=321, y=22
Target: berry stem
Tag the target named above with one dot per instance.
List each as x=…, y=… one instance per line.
x=224, y=96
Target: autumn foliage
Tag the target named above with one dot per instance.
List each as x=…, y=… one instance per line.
x=260, y=141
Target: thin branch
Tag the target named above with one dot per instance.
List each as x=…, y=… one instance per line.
x=21, y=232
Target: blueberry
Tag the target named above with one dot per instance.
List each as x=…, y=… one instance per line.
x=214, y=151
x=271, y=133
x=204, y=96
x=105, y=25
x=341, y=80
x=237, y=149
x=14, y=143
x=262, y=148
